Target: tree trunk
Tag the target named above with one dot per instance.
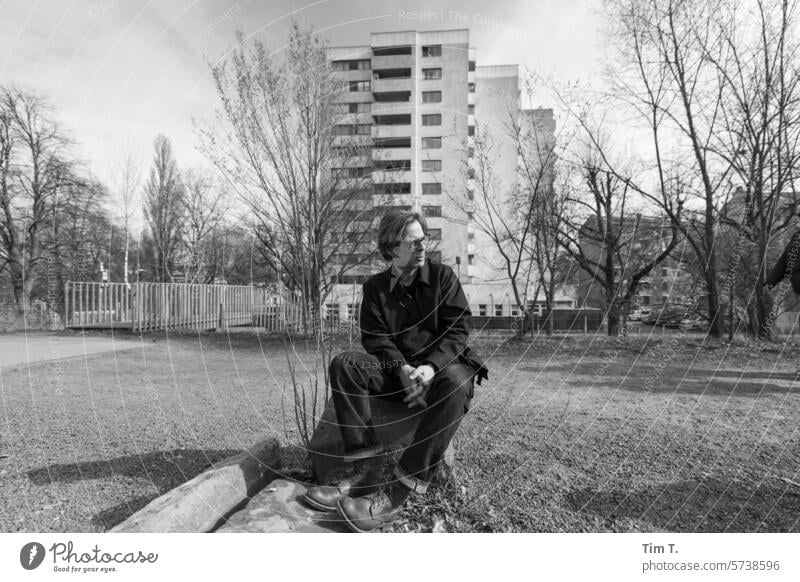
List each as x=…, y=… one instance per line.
x=714, y=312
x=612, y=316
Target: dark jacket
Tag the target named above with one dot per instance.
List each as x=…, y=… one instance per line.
x=788, y=265
x=428, y=322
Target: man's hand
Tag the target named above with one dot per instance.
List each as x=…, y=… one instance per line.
x=423, y=374
x=414, y=387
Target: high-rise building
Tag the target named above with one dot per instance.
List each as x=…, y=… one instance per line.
x=414, y=98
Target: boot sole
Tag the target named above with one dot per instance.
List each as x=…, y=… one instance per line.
x=357, y=529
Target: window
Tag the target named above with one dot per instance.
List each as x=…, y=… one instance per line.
x=471, y=236
x=332, y=311
x=470, y=110
x=432, y=119
x=471, y=87
x=432, y=211
x=434, y=50
x=392, y=96
x=431, y=74
x=391, y=142
x=471, y=130
x=357, y=65
x=471, y=66
x=392, y=74
x=431, y=165
x=470, y=215
x=389, y=51
x=358, y=129
x=435, y=233
x=471, y=260
x=392, y=119
x=498, y=310
x=359, y=86
x=358, y=107
x=432, y=188
x=471, y=173
x=352, y=310
x=352, y=172
x=393, y=165
x=470, y=195
x=482, y=309
x=431, y=143
x=429, y=96
x=515, y=311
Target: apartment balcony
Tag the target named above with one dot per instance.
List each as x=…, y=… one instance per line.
x=391, y=85
x=391, y=153
x=391, y=107
x=390, y=177
x=357, y=75
x=391, y=131
x=392, y=62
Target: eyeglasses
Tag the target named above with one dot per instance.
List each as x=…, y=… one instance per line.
x=417, y=243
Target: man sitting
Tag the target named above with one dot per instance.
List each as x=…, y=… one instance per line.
x=414, y=327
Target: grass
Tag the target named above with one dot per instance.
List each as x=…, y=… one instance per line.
x=570, y=434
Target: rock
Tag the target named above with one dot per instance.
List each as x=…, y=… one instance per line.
x=394, y=424
x=199, y=505
x=277, y=509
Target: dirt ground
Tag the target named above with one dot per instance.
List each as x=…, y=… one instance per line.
x=570, y=434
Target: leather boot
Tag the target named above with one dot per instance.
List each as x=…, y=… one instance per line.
x=370, y=513
x=325, y=497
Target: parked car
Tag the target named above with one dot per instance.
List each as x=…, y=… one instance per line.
x=635, y=315
x=667, y=316
x=694, y=323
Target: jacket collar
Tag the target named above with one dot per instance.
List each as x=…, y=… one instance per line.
x=423, y=275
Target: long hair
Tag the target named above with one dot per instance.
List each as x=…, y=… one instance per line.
x=393, y=226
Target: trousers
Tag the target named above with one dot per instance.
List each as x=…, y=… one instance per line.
x=357, y=377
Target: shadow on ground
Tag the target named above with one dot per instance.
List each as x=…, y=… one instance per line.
x=164, y=469
x=697, y=506
x=708, y=382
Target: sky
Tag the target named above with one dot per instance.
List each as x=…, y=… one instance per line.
x=120, y=72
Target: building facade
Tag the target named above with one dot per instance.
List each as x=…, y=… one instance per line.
x=414, y=98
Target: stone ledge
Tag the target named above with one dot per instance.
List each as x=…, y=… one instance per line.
x=200, y=504
x=277, y=509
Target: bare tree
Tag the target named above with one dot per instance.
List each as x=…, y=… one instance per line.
x=285, y=142
x=716, y=83
x=602, y=237
x=164, y=209
x=758, y=75
x=33, y=166
x=503, y=210
x=665, y=77
x=127, y=179
x=534, y=138
x=205, y=208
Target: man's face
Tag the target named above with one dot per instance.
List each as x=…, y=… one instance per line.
x=410, y=253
